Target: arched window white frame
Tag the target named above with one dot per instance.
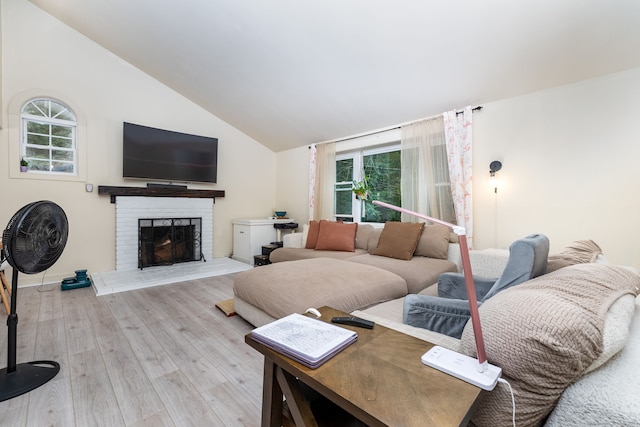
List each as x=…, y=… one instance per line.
x=49, y=137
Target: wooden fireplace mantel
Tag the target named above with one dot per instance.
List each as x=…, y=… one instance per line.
x=158, y=192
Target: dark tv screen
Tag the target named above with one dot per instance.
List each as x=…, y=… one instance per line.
x=165, y=155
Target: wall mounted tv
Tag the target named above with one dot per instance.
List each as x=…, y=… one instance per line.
x=164, y=155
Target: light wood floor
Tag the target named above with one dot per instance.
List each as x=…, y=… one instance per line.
x=161, y=356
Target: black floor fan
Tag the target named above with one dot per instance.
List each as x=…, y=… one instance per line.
x=32, y=242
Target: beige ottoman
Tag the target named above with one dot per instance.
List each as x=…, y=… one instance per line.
x=277, y=290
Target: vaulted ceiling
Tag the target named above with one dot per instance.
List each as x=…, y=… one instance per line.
x=292, y=72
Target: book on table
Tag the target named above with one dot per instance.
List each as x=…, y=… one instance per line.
x=306, y=340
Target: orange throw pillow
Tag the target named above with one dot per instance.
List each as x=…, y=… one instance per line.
x=336, y=236
x=312, y=235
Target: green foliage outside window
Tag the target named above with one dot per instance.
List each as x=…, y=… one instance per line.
x=382, y=176
x=383, y=173
x=344, y=196
x=48, y=140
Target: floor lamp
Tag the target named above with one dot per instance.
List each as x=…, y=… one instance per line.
x=475, y=371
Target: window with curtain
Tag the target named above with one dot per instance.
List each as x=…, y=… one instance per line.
x=442, y=197
x=426, y=185
x=406, y=167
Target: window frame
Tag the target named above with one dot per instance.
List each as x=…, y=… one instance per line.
x=47, y=118
x=358, y=156
x=14, y=131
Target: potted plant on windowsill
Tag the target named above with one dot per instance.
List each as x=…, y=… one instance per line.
x=361, y=189
x=24, y=165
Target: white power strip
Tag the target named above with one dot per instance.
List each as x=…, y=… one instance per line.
x=462, y=367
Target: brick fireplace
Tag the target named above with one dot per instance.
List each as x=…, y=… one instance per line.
x=129, y=210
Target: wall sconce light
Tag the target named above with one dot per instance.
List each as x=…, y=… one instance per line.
x=494, y=167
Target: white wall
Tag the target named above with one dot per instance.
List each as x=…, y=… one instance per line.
x=570, y=167
x=105, y=91
x=292, y=183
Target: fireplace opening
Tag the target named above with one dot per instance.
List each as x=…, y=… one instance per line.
x=166, y=241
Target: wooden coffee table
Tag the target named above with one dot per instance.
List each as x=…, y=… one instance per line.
x=379, y=379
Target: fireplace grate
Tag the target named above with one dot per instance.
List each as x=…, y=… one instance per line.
x=166, y=241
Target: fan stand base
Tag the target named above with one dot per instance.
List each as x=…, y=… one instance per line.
x=26, y=377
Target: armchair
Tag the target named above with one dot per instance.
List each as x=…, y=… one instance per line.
x=449, y=312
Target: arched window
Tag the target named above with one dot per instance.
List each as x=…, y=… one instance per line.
x=48, y=142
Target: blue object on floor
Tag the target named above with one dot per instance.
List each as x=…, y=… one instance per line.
x=80, y=281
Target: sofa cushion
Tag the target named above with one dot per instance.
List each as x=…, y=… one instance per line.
x=362, y=235
x=545, y=334
x=607, y=396
x=578, y=252
x=336, y=236
x=419, y=272
x=616, y=330
x=399, y=239
x=294, y=254
x=434, y=242
x=374, y=238
x=312, y=234
x=291, y=287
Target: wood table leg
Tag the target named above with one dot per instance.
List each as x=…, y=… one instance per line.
x=271, y=396
x=277, y=384
x=298, y=405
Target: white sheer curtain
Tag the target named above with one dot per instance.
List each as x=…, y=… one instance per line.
x=458, y=133
x=322, y=178
x=425, y=170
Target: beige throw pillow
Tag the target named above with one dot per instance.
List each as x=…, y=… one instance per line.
x=434, y=242
x=362, y=235
x=399, y=239
x=374, y=239
x=577, y=252
x=312, y=235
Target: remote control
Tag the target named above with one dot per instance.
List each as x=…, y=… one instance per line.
x=354, y=321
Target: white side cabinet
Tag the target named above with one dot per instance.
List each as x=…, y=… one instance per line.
x=249, y=234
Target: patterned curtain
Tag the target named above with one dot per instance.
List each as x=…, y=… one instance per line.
x=313, y=155
x=322, y=179
x=458, y=134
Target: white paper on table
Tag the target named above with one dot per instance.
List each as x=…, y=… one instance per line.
x=307, y=340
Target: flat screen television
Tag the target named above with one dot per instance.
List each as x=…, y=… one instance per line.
x=164, y=155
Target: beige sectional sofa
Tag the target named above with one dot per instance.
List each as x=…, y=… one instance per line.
x=299, y=278
x=568, y=341
x=419, y=272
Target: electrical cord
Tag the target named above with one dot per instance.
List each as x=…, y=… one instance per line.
x=513, y=400
x=41, y=287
